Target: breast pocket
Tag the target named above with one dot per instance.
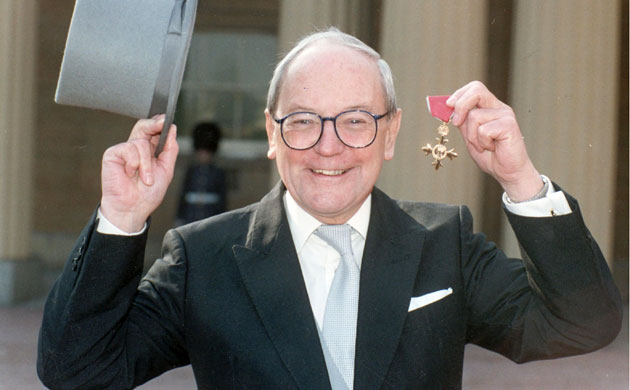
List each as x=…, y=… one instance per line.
x=433, y=311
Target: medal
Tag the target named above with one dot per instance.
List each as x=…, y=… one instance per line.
x=439, y=151
x=438, y=108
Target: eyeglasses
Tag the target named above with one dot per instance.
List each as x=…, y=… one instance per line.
x=354, y=128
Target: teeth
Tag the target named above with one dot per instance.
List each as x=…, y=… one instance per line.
x=329, y=172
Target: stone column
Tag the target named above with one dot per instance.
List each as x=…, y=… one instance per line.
x=564, y=75
x=300, y=17
x=18, y=43
x=433, y=47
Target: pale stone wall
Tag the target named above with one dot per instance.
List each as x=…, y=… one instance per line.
x=433, y=47
x=564, y=75
x=18, y=28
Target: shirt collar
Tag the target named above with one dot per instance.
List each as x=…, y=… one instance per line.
x=302, y=224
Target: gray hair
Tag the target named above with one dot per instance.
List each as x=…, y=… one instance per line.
x=336, y=36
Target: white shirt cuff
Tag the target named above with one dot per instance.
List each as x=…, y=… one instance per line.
x=106, y=227
x=554, y=203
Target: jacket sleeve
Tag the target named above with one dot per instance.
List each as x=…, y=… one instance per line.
x=559, y=300
x=101, y=328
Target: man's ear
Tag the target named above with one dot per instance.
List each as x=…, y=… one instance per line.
x=391, y=133
x=270, y=126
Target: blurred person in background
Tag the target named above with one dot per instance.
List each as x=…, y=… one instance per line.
x=204, y=190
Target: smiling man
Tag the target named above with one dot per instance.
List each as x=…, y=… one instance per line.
x=333, y=170
x=326, y=282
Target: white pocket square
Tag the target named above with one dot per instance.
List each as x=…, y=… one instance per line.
x=426, y=299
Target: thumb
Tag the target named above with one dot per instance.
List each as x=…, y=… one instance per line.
x=169, y=154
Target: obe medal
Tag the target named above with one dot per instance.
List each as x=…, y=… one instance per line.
x=438, y=108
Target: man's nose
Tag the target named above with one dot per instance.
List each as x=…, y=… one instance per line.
x=329, y=143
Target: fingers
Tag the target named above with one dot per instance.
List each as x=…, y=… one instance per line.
x=490, y=133
x=169, y=154
x=483, y=128
x=146, y=166
x=147, y=129
x=493, y=137
x=135, y=156
x=472, y=95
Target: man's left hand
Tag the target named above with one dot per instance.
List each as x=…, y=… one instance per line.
x=494, y=140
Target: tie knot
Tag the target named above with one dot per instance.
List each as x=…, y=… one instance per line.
x=337, y=236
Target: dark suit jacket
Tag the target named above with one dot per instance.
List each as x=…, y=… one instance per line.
x=228, y=297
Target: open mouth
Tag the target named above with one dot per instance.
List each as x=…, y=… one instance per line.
x=330, y=172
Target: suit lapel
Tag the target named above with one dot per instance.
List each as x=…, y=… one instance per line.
x=388, y=271
x=273, y=278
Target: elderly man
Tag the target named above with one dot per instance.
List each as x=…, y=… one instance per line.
x=326, y=282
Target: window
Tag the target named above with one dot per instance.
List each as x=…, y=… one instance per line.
x=226, y=81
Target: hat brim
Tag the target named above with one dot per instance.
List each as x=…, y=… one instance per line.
x=176, y=46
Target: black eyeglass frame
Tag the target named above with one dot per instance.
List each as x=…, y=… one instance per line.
x=333, y=119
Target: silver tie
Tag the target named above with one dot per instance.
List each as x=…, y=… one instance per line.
x=340, y=317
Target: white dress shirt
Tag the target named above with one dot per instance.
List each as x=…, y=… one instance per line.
x=319, y=260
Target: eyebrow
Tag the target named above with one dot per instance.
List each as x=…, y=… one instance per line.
x=298, y=108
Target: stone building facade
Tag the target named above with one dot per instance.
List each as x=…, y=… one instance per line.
x=561, y=65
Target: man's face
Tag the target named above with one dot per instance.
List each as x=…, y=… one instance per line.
x=331, y=180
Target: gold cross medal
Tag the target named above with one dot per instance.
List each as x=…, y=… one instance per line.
x=438, y=108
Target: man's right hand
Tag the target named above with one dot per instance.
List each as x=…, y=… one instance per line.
x=133, y=180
